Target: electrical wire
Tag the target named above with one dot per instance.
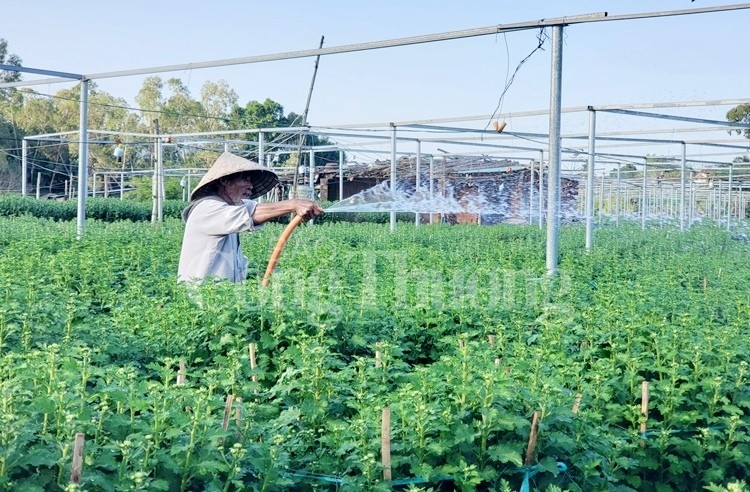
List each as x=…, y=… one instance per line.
x=541, y=37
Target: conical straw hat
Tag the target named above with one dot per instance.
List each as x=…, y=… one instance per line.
x=263, y=178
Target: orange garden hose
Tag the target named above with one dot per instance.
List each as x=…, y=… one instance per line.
x=280, y=247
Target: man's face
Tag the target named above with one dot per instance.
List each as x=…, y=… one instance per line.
x=238, y=187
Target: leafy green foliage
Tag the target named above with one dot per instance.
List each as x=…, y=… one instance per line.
x=455, y=329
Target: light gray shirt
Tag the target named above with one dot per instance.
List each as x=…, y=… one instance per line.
x=211, y=243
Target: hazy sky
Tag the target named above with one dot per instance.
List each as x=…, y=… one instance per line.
x=684, y=58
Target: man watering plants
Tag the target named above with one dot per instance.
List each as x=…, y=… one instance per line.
x=221, y=207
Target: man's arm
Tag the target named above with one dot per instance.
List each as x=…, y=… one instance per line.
x=267, y=211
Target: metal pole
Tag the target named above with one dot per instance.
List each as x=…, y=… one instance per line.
x=393, y=174
x=619, y=184
x=644, y=197
x=83, y=159
x=261, y=153
x=682, y=187
x=432, y=184
x=312, y=174
x=601, y=200
x=159, y=180
x=341, y=175
x=553, y=180
x=531, y=191
x=93, y=185
x=729, y=199
x=155, y=177
x=590, y=181
x=717, y=202
x=417, y=180
x=24, y=163
x=692, y=198
x=541, y=188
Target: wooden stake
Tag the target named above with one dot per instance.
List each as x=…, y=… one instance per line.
x=227, y=412
x=378, y=361
x=182, y=373
x=252, y=348
x=491, y=339
x=385, y=443
x=77, y=466
x=532, y=439
x=238, y=413
x=497, y=361
x=577, y=403
x=644, y=408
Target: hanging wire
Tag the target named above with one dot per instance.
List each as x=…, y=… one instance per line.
x=541, y=37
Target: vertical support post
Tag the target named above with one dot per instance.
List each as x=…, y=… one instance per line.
x=83, y=160
x=644, y=196
x=393, y=173
x=77, y=467
x=718, y=200
x=252, y=350
x=729, y=199
x=417, y=182
x=682, y=187
x=590, y=181
x=159, y=180
x=154, y=179
x=541, y=188
x=531, y=191
x=385, y=443
x=341, y=175
x=553, y=179
x=181, y=372
x=432, y=185
x=24, y=165
x=529, y=458
x=311, y=170
x=39, y=184
x=227, y=412
x=601, y=200
x=261, y=149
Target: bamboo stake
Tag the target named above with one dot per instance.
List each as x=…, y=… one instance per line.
x=577, y=403
x=238, y=413
x=644, y=408
x=385, y=443
x=77, y=466
x=182, y=373
x=227, y=412
x=253, y=364
x=532, y=439
x=238, y=418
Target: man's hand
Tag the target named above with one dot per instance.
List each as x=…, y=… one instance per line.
x=307, y=209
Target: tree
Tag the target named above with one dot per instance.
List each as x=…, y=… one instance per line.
x=8, y=75
x=218, y=101
x=740, y=114
x=627, y=170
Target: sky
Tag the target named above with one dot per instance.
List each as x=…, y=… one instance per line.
x=666, y=59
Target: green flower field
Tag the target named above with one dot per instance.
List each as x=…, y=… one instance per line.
x=485, y=373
